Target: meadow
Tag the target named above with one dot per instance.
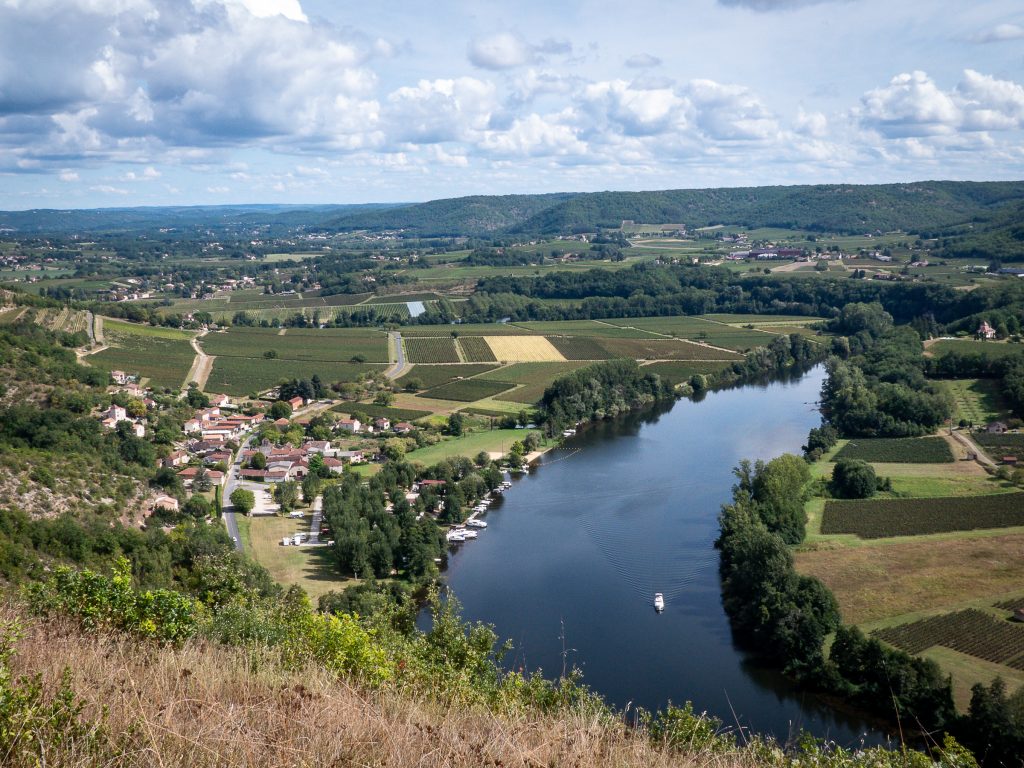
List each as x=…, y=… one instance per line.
x=976, y=401
x=968, y=346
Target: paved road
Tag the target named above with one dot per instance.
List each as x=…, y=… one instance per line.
x=401, y=367
x=318, y=513
x=229, y=486
x=980, y=456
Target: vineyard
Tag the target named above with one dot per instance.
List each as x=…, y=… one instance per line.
x=1011, y=605
x=906, y=450
x=972, y=632
x=476, y=349
x=664, y=349
x=999, y=445
x=882, y=518
x=436, y=375
x=163, y=361
x=580, y=348
x=682, y=370
x=467, y=390
x=378, y=411
x=336, y=345
x=243, y=375
x=427, y=349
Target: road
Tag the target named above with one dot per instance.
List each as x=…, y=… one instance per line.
x=229, y=486
x=980, y=456
x=401, y=367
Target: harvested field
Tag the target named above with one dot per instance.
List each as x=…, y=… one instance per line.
x=884, y=518
x=873, y=582
x=909, y=450
x=523, y=349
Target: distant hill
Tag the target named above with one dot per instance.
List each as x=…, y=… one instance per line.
x=477, y=215
x=832, y=208
x=111, y=220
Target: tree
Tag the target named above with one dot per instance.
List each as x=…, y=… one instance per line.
x=202, y=482
x=385, y=397
x=311, y=484
x=455, y=424
x=287, y=495
x=281, y=410
x=393, y=448
x=414, y=384
x=270, y=354
x=482, y=459
x=258, y=461
x=197, y=507
x=243, y=500
x=853, y=479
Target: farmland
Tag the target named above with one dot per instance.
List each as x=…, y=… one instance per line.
x=698, y=329
x=967, y=346
x=883, y=518
x=977, y=401
x=579, y=348
x=971, y=631
x=490, y=440
x=376, y=411
x=436, y=375
x=475, y=349
x=523, y=349
x=912, y=450
x=334, y=344
x=467, y=390
x=680, y=371
x=162, y=356
x=1008, y=443
x=244, y=375
x=436, y=349
x=664, y=349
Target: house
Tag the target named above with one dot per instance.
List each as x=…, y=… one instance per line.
x=996, y=428
x=435, y=484
x=382, y=424
x=323, y=447
x=349, y=425
x=119, y=377
x=253, y=474
x=296, y=403
x=115, y=413
x=277, y=475
x=986, y=331
x=219, y=401
x=165, y=502
x=188, y=475
x=353, y=457
x=403, y=428
x=139, y=428
x=1009, y=460
x=176, y=459
x=282, y=423
x=335, y=465
x=217, y=457
x=192, y=425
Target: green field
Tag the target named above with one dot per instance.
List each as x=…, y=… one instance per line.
x=376, y=411
x=436, y=349
x=465, y=329
x=681, y=371
x=884, y=518
x=242, y=375
x=597, y=328
x=664, y=349
x=911, y=450
x=580, y=348
x=1006, y=444
x=163, y=356
x=977, y=401
x=312, y=568
x=469, y=445
x=476, y=350
x=972, y=631
x=758, y=320
x=436, y=375
x=968, y=346
x=467, y=390
x=331, y=345
x=699, y=329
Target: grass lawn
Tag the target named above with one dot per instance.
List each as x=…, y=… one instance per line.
x=967, y=670
x=969, y=346
x=309, y=567
x=491, y=440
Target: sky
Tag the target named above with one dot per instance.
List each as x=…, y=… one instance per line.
x=186, y=102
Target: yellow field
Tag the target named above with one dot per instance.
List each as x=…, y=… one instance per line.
x=523, y=349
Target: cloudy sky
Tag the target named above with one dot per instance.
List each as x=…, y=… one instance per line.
x=147, y=102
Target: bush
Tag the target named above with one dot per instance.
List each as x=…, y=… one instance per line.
x=243, y=500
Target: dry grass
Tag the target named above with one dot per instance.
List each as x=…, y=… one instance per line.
x=523, y=349
x=203, y=706
x=873, y=582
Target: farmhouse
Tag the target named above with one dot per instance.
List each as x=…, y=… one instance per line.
x=986, y=331
x=349, y=425
x=296, y=403
x=996, y=428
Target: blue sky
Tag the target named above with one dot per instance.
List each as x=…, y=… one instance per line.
x=150, y=102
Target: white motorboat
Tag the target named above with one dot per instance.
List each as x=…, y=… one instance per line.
x=659, y=602
x=469, y=534
x=474, y=523
x=455, y=536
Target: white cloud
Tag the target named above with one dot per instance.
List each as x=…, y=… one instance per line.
x=68, y=176
x=439, y=110
x=1000, y=33
x=772, y=5
x=290, y=9
x=990, y=104
x=911, y=105
x=500, y=51
x=642, y=61
x=109, y=190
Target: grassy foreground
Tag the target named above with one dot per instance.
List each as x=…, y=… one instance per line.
x=197, y=704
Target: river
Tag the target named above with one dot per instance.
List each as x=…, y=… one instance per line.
x=573, y=554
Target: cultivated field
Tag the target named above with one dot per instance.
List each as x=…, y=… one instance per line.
x=243, y=375
x=973, y=632
x=475, y=349
x=467, y=390
x=664, y=349
x=333, y=344
x=376, y=411
x=912, y=450
x=884, y=518
x=977, y=401
x=580, y=348
x=431, y=349
x=436, y=375
x=968, y=346
x=523, y=349
x=161, y=356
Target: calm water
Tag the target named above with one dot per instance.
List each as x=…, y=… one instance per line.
x=573, y=554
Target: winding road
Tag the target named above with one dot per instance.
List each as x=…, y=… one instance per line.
x=229, y=486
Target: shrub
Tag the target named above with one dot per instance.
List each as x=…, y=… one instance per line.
x=853, y=479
